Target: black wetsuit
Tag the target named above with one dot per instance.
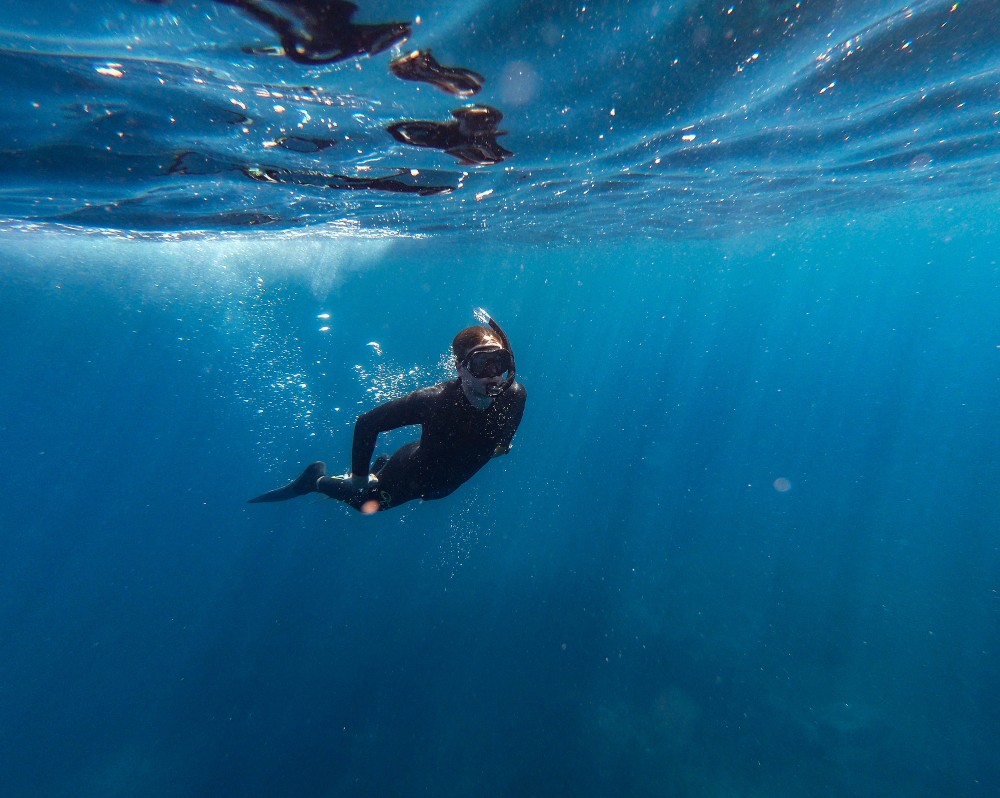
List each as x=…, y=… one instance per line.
x=456, y=440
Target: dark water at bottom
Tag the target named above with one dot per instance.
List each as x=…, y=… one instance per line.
x=630, y=603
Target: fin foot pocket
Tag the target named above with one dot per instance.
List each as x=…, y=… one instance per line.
x=305, y=483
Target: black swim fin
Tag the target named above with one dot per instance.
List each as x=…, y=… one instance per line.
x=306, y=483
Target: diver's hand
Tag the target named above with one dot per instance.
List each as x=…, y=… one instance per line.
x=359, y=483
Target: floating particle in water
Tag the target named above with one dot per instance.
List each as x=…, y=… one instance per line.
x=273, y=378
x=782, y=485
x=472, y=138
x=385, y=379
x=467, y=529
x=421, y=66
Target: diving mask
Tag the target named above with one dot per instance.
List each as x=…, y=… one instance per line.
x=485, y=363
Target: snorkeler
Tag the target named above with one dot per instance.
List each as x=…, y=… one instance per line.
x=321, y=31
x=464, y=423
x=472, y=137
x=421, y=65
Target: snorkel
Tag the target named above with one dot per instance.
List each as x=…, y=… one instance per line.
x=485, y=318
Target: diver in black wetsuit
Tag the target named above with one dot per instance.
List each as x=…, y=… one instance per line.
x=465, y=422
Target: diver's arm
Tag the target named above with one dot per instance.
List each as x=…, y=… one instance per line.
x=398, y=413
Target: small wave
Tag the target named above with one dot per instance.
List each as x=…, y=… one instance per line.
x=685, y=120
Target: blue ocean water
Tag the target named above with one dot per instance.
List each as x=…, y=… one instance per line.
x=747, y=542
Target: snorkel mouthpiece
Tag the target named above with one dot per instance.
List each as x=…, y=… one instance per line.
x=485, y=318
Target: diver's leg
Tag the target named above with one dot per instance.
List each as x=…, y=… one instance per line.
x=367, y=500
x=305, y=483
x=339, y=488
x=374, y=496
x=397, y=483
x=392, y=488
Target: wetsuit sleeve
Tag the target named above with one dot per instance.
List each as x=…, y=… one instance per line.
x=401, y=412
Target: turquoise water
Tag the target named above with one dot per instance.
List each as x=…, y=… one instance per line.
x=746, y=543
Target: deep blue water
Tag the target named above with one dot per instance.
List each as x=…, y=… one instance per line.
x=748, y=540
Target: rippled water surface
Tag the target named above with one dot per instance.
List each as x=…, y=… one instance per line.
x=670, y=118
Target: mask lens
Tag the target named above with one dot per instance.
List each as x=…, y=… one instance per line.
x=489, y=364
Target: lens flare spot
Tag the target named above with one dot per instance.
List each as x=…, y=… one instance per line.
x=782, y=485
x=519, y=83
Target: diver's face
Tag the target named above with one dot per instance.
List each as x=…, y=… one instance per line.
x=484, y=387
x=483, y=371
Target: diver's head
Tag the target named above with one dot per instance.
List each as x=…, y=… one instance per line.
x=483, y=362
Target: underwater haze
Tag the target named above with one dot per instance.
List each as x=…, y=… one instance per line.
x=747, y=542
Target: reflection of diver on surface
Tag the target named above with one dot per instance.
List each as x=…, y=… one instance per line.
x=425, y=183
x=321, y=31
x=420, y=65
x=464, y=423
x=472, y=138
x=401, y=182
